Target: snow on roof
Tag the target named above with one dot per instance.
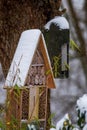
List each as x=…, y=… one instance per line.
x=82, y=105
x=60, y=21
x=23, y=57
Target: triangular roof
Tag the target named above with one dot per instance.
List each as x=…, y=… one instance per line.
x=28, y=43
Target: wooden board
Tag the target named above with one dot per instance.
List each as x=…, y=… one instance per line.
x=33, y=103
x=50, y=77
x=13, y=113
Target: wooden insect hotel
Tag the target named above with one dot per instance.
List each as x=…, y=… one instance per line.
x=28, y=81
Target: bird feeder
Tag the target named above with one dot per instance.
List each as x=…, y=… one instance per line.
x=28, y=81
x=56, y=34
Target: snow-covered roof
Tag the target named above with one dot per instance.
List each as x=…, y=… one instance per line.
x=60, y=21
x=23, y=57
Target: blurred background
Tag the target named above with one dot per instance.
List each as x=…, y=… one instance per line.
x=69, y=90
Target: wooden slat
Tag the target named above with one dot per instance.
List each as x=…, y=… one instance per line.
x=33, y=103
x=35, y=86
x=13, y=108
x=46, y=108
x=36, y=102
x=50, y=82
x=37, y=65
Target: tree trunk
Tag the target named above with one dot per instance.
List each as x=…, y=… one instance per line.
x=17, y=16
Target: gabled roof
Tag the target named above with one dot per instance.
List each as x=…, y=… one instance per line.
x=28, y=43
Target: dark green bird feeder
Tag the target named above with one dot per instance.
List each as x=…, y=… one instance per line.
x=56, y=34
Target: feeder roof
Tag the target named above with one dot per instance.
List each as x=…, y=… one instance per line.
x=59, y=21
x=23, y=57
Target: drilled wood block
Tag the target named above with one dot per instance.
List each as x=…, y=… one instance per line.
x=25, y=103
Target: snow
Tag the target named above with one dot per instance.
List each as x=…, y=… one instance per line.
x=80, y=3
x=77, y=3
x=2, y=93
x=75, y=129
x=52, y=129
x=82, y=105
x=85, y=127
x=23, y=57
x=31, y=127
x=59, y=124
x=61, y=22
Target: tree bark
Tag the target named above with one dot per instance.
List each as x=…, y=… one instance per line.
x=19, y=15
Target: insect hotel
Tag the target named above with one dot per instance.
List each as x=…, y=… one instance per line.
x=28, y=81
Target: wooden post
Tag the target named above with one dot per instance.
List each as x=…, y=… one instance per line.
x=33, y=103
x=13, y=113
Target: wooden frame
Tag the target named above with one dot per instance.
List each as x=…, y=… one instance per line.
x=36, y=77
